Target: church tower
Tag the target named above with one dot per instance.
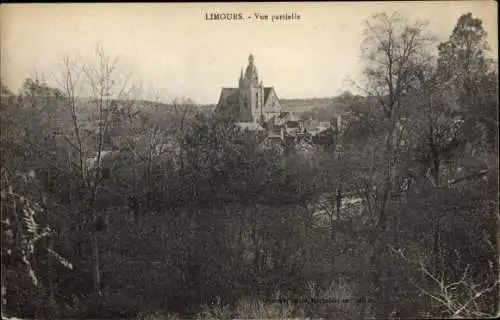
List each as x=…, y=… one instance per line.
x=251, y=90
x=250, y=102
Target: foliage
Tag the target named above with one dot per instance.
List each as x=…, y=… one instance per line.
x=23, y=242
x=164, y=212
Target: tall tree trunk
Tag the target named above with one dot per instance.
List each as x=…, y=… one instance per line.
x=255, y=241
x=379, y=261
x=241, y=244
x=96, y=273
x=437, y=225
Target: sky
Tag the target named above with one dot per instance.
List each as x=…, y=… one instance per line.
x=172, y=50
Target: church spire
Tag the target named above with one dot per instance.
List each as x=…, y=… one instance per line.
x=251, y=74
x=241, y=81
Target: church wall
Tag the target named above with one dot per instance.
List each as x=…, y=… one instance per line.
x=257, y=94
x=245, y=114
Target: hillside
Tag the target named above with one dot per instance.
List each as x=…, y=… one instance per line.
x=302, y=105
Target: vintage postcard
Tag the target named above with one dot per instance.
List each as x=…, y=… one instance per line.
x=275, y=160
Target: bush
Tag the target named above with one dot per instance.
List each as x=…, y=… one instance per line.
x=257, y=309
x=216, y=310
x=157, y=316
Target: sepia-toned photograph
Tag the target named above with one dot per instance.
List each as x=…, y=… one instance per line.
x=274, y=160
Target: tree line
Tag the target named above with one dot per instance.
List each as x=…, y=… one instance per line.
x=117, y=207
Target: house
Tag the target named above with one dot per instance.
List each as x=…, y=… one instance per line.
x=325, y=124
x=250, y=131
x=326, y=132
x=273, y=141
x=290, y=122
x=324, y=136
x=250, y=126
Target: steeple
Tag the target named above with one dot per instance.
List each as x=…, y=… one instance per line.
x=251, y=74
x=241, y=81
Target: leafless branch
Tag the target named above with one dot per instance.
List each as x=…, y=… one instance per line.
x=457, y=308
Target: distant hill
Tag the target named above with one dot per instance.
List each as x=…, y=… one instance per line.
x=206, y=108
x=294, y=105
x=339, y=104
x=302, y=105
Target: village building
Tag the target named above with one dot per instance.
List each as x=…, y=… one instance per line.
x=251, y=101
x=288, y=125
x=257, y=110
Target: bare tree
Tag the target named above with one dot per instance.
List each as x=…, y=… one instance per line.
x=457, y=298
x=394, y=50
x=101, y=80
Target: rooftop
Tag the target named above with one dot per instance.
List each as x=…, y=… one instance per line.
x=250, y=126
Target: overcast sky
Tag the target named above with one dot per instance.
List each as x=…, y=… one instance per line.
x=172, y=49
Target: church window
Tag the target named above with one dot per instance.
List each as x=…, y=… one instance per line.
x=256, y=100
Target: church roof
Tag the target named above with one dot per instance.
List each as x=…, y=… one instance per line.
x=267, y=91
x=228, y=96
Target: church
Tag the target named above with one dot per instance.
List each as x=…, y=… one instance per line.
x=251, y=104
